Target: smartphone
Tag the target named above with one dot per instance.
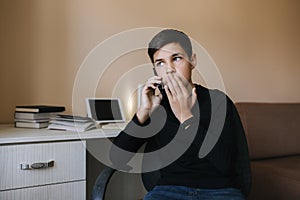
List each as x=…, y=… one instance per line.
x=159, y=86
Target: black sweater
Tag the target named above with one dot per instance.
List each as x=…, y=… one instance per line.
x=175, y=147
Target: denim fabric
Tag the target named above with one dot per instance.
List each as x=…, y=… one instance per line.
x=171, y=192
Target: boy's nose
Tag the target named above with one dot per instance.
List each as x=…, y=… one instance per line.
x=170, y=68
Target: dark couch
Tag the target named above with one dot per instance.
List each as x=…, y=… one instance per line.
x=273, y=135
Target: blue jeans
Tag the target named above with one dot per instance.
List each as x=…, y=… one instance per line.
x=172, y=192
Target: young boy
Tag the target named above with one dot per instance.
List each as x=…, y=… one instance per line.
x=187, y=114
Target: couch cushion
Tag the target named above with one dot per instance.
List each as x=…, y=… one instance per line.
x=276, y=178
x=272, y=129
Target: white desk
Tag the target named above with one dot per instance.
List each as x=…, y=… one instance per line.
x=11, y=135
x=66, y=179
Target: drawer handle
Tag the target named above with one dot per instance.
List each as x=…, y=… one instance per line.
x=39, y=165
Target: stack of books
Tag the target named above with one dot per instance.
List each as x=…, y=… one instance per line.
x=35, y=116
x=72, y=123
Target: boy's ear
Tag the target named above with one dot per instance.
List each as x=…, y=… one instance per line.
x=193, y=61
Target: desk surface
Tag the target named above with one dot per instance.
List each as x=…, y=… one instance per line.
x=11, y=135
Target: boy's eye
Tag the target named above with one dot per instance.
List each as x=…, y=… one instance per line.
x=177, y=58
x=159, y=64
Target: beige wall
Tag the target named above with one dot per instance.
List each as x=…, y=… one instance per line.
x=255, y=45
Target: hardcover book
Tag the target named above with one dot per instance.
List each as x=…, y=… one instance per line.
x=32, y=116
x=31, y=125
x=39, y=108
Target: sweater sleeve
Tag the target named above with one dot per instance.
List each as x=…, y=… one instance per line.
x=242, y=164
x=126, y=144
x=217, y=144
x=231, y=150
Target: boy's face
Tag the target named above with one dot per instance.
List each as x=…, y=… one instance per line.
x=172, y=58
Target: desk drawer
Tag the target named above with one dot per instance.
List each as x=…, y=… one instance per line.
x=69, y=164
x=65, y=191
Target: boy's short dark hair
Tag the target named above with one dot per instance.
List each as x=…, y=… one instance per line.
x=169, y=36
